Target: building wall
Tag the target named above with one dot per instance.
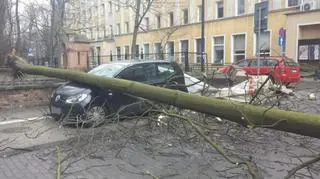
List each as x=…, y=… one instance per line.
x=77, y=55
x=294, y=22
x=229, y=25
x=310, y=32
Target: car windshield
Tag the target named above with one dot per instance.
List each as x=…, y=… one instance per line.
x=290, y=62
x=107, y=70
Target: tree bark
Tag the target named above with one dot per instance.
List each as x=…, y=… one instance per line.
x=135, y=29
x=244, y=114
x=18, y=42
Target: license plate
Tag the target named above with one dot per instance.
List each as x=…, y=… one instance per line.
x=55, y=110
x=294, y=71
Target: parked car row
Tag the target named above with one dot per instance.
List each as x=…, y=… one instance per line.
x=284, y=70
x=83, y=103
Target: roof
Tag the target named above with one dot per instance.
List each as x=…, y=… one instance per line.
x=133, y=62
x=267, y=57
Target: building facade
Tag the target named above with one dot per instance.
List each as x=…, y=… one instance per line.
x=175, y=26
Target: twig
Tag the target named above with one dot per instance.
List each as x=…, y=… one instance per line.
x=58, y=174
x=301, y=166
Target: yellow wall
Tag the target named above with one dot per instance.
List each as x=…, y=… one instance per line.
x=294, y=22
x=226, y=27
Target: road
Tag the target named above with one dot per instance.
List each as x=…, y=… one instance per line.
x=152, y=151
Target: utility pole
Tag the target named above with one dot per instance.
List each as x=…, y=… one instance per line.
x=202, y=36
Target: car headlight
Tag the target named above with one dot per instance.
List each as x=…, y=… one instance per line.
x=77, y=99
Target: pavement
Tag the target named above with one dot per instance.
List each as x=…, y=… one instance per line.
x=29, y=141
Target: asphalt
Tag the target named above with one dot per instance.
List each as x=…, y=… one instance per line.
x=29, y=141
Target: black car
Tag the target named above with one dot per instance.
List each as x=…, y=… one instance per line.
x=82, y=103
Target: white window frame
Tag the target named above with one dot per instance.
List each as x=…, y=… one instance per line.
x=144, y=49
x=118, y=59
x=255, y=42
x=224, y=48
x=124, y=50
x=287, y=4
x=217, y=7
x=180, y=49
x=199, y=10
x=169, y=21
x=232, y=44
x=118, y=28
x=195, y=49
x=236, y=8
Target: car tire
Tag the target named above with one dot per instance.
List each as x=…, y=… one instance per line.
x=96, y=115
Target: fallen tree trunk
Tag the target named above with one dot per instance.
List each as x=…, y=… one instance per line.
x=244, y=114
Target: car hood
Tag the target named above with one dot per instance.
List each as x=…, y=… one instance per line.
x=71, y=89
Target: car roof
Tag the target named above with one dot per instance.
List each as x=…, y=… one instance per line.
x=134, y=62
x=279, y=58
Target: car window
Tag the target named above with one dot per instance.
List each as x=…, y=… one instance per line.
x=107, y=70
x=140, y=73
x=164, y=71
x=242, y=63
x=271, y=62
x=290, y=62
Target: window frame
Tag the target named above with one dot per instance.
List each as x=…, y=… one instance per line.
x=171, y=19
x=185, y=16
x=233, y=44
x=217, y=9
x=219, y=45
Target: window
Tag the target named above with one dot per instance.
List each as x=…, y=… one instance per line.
x=164, y=71
x=158, y=50
x=126, y=26
x=111, y=30
x=220, y=9
x=240, y=7
x=171, y=19
x=137, y=51
x=118, y=5
x=104, y=32
x=170, y=50
x=91, y=34
x=126, y=52
x=103, y=12
x=239, y=45
x=110, y=7
x=158, y=21
x=147, y=23
x=79, y=58
x=146, y=51
x=140, y=73
x=118, y=53
x=185, y=16
x=199, y=13
x=218, y=50
x=198, y=50
x=264, y=44
x=118, y=29
x=293, y=3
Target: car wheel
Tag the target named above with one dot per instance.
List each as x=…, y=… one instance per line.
x=96, y=115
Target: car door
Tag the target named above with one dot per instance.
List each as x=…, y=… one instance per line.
x=128, y=104
x=251, y=69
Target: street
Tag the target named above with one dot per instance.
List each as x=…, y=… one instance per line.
x=29, y=142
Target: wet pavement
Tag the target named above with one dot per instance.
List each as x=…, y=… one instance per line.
x=152, y=151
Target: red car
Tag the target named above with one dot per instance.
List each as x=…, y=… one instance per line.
x=284, y=69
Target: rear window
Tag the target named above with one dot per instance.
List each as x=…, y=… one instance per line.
x=290, y=62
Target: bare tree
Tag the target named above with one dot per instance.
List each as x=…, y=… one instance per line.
x=18, y=41
x=3, y=22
